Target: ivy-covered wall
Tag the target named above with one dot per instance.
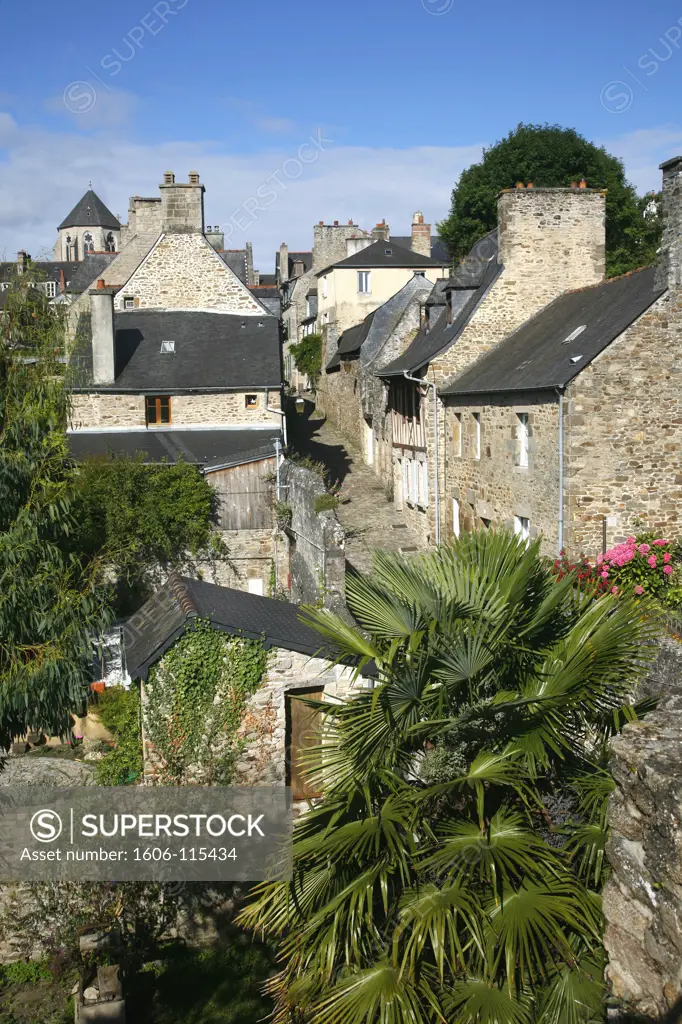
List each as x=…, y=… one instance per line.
x=214, y=709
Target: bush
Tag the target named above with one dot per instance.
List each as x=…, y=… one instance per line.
x=119, y=711
x=307, y=355
x=326, y=503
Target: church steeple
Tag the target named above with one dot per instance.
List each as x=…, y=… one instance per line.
x=89, y=227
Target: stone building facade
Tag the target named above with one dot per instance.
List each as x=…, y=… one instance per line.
x=98, y=410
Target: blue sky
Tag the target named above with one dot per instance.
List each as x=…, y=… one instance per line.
x=398, y=96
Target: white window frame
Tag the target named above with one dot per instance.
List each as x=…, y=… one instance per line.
x=414, y=482
x=477, y=435
x=50, y=289
x=522, y=527
x=456, y=527
x=365, y=282
x=458, y=436
x=128, y=302
x=424, y=484
x=522, y=433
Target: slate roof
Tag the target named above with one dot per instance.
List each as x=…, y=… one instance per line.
x=210, y=449
x=235, y=260
x=45, y=270
x=90, y=211
x=89, y=269
x=295, y=257
x=539, y=355
x=385, y=254
x=169, y=613
x=213, y=351
x=267, y=280
x=351, y=341
x=440, y=334
x=438, y=249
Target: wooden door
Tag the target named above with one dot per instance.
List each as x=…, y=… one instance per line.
x=304, y=732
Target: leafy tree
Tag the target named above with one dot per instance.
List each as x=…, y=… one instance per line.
x=552, y=156
x=451, y=871
x=143, y=520
x=51, y=603
x=307, y=355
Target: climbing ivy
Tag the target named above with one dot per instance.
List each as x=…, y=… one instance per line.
x=195, y=701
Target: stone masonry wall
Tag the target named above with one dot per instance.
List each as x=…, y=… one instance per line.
x=643, y=898
x=183, y=271
x=339, y=399
x=624, y=433
x=221, y=408
x=496, y=487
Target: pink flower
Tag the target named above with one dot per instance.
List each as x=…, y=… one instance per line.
x=630, y=540
x=614, y=590
x=667, y=557
x=639, y=590
x=652, y=561
x=644, y=549
x=605, y=574
x=660, y=543
x=667, y=569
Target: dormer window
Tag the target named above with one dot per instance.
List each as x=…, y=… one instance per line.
x=158, y=409
x=388, y=252
x=168, y=346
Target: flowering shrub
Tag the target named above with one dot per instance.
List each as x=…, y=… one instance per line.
x=642, y=565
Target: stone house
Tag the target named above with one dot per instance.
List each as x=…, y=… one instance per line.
x=51, y=277
x=572, y=426
x=277, y=728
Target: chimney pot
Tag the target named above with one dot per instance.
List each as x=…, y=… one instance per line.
x=530, y=185
x=321, y=223
x=574, y=184
x=193, y=178
x=583, y=183
x=100, y=282
x=519, y=184
x=168, y=178
x=350, y=222
x=336, y=223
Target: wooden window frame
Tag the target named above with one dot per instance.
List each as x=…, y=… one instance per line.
x=256, y=404
x=296, y=713
x=156, y=400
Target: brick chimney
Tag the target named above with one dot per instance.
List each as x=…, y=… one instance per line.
x=381, y=232
x=103, y=343
x=552, y=240
x=421, y=235
x=182, y=205
x=669, y=268
x=283, y=263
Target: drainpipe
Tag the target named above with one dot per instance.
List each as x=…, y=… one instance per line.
x=284, y=421
x=430, y=384
x=561, y=468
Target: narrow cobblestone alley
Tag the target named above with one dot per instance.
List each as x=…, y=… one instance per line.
x=368, y=518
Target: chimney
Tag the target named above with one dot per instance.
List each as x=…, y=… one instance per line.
x=299, y=268
x=552, y=240
x=182, y=206
x=215, y=237
x=421, y=235
x=250, y=272
x=283, y=263
x=381, y=232
x=23, y=261
x=62, y=281
x=669, y=268
x=102, y=323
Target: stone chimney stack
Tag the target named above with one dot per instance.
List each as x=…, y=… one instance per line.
x=215, y=237
x=381, y=232
x=182, y=205
x=250, y=272
x=421, y=235
x=669, y=269
x=552, y=240
x=283, y=263
x=23, y=261
x=103, y=343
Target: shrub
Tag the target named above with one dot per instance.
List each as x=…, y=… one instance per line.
x=119, y=711
x=307, y=355
x=326, y=503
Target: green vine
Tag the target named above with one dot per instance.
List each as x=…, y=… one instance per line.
x=119, y=711
x=196, y=698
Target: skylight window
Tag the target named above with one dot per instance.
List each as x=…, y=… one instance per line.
x=388, y=252
x=576, y=359
x=574, y=334
x=167, y=346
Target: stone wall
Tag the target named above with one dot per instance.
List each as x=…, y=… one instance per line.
x=226, y=408
x=252, y=555
x=643, y=898
x=624, y=433
x=316, y=541
x=183, y=271
x=496, y=487
x=339, y=399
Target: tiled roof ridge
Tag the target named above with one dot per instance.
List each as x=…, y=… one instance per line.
x=182, y=595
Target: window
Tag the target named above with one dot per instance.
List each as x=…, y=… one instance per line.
x=424, y=484
x=486, y=523
x=251, y=401
x=476, y=439
x=50, y=289
x=88, y=244
x=158, y=409
x=365, y=281
x=414, y=481
x=522, y=434
x=254, y=585
x=304, y=737
x=455, y=517
x=110, y=243
x=406, y=480
x=388, y=252
x=457, y=435
x=129, y=302
x=324, y=287
x=167, y=346
x=522, y=527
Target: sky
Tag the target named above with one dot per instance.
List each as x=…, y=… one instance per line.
x=300, y=112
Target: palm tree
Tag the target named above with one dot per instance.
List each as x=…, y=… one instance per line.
x=452, y=870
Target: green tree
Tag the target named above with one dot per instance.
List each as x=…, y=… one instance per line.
x=451, y=871
x=307, y=355
x=141, y=520
x=552, y=156
x=51, y=602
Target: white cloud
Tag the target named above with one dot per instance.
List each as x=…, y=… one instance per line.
x=43, y=174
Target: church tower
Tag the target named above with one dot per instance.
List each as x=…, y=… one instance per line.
x=90, y=227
